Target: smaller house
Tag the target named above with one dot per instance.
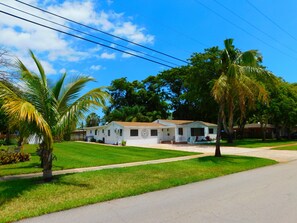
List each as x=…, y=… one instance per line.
x=254, y=130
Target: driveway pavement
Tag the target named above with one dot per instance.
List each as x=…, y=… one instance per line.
x=267, y=194
x=264, y=152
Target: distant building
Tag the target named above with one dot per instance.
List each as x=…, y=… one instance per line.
x=159, y=131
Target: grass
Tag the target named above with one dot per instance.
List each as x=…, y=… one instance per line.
x=286, y=148
x=256, y=143
x=27, y=198
x=75, y=155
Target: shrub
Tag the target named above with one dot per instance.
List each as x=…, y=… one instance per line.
x=7, y=157
x=93, y=140
x=124, y=143
x=100, y=141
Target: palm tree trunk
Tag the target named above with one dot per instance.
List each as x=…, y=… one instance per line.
x=218, y=139
x=46, y=155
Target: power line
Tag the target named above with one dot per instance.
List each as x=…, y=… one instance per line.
x=101, y=31
x=85, y=39
x=252, y=25
x=238, y=27
x=76, y=30
x=278, y=26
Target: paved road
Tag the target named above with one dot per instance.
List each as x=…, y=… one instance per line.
x=266, y=194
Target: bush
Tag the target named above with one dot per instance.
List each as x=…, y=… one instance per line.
x=100, y=141
x=124, y=143
x=7, y=157
x=93, y=140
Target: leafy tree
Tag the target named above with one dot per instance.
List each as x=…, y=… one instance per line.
x=48, y=109
x=137, y=100
x=236, y=86
x=92, y=120
x=200, y=79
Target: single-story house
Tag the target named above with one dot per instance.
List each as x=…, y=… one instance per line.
x=254, y=130
x=159, y=131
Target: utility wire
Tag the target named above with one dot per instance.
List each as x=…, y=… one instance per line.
x=87, y=34
x=85, y=39
x=237, y=26
x=101, y=31
x=252, y=25
x=278, y=26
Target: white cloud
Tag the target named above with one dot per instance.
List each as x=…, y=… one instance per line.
x=96, y=67
x=125, y=55
x=133, y=32
x=63, y=70
x=19, y=36
x=109, y=2
x=109, y=56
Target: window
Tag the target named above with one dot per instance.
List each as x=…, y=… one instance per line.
x=102, y=130
x=197, y=131
x=154, y=132
x=96, y=132
x=121, y=132
x=90, y=131
x=133, y=132
x=210, y=131
x=180, y=131
x=108, y=132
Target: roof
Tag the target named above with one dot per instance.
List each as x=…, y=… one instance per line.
x=185, y=122
x=139, y=124
x=254, y=126
x=177, y=122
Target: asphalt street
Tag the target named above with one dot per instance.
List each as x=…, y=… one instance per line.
x=267, y=194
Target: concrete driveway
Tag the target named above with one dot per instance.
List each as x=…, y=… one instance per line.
x=266, y=194
x=265, y=152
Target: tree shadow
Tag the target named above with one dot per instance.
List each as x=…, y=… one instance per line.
x=12, y=189
x=225, y=159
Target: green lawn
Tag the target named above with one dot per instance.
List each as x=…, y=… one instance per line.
x=75, y=155
x=286, y=148
x=27, y=198
x=256, y=143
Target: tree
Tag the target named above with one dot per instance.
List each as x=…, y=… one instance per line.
x=48, y=109
x=136, y=100
x=236, y=87
x=92, y=120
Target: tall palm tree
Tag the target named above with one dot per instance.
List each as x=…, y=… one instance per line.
x=48, y=109
x=237, y=86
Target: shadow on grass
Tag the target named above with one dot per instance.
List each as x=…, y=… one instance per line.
x=224, y=159
x=13, y=189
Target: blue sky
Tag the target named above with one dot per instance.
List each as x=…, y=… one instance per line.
x=176, y=27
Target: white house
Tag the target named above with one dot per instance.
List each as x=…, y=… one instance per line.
x=159, y=131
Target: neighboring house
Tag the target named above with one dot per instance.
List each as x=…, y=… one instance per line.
x=159, y=131
x=254, y=130
x=78, y=135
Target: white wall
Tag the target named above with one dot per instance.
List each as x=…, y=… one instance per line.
x=140, y=139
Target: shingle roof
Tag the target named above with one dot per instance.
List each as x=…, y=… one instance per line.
x=139, y=124
x=185, y=122
x=254, y=126
x=177, y=122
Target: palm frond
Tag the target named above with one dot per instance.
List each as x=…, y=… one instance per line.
x=72, y=91
x=58, y=86
x=40, y=68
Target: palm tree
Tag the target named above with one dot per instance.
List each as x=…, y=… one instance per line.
x=48, y=109
x=92, y=120
x=237, y=87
